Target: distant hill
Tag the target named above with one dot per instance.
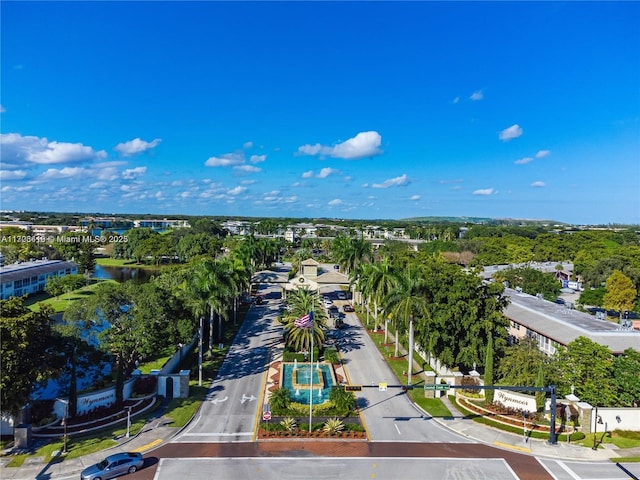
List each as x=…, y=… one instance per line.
x=484, y=220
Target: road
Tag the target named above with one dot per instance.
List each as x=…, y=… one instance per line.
x=389, y=415
x=405, y=442
x=232, y=403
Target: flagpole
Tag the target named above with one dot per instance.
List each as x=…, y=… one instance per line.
x=311, y=375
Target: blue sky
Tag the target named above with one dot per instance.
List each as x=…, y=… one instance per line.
x=322, y=109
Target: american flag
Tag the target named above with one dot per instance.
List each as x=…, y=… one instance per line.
x=305, y=321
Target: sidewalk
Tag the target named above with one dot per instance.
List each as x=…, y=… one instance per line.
x=513, y=442
x=154, y=433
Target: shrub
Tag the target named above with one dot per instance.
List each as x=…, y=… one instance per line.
x=333, y=426
x=280, y=399
x=331, y=355
x=289, y=424
x=342, y=399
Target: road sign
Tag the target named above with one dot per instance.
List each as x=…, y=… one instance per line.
x=382, y=387
x=266, y=415
x=353, y=388
x=438, y=386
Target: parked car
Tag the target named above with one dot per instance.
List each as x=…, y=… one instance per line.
x=348, y=308
x=113, y=466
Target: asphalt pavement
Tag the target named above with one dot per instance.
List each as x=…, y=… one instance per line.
x=156, y=433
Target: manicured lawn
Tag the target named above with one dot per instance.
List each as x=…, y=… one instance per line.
x=156, y=363
x=61, y=303
x=120, y=262
x=624, y=439
x=79, y=446
x=399, y=365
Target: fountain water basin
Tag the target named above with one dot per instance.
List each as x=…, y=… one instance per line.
x=297, y=379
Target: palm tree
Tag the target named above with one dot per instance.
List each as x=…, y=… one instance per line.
x=303, y=301
x=212, y=282
x=381, y=281
x=406, y=301
x=361, y=278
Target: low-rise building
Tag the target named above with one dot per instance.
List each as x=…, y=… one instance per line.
x=553, y=325
x=18, y=279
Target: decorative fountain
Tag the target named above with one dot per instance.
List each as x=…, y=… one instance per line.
x=298, y=380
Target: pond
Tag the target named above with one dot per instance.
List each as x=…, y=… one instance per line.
x=122, y=274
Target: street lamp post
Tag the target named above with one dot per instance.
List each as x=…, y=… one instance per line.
x=525, y=415
x=595, y=430
x=128, y=421
x=64, y=423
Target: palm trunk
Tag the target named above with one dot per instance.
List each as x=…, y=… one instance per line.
x=397, y=343
x=410, y=369
x=211, y=314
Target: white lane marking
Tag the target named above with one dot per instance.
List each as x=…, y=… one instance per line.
x=568, y=470
x=395, y=425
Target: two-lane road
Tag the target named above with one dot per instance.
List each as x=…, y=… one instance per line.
x=232, y=403
x=389, y=415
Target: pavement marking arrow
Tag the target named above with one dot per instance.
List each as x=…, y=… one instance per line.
x=219, y=400
x=245, y=398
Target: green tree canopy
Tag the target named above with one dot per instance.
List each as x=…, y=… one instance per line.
x=588, y=366
x=621, y=293
x=27, y=354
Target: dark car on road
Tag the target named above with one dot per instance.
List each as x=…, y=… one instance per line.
x=113, y=466
x=348, y=308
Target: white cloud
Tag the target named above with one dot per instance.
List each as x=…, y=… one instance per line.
x=484, y=191
x=543, y=153
x=257, y=158
x=308, y=174
x=415, y=197
x=131, y=173
x=325, y=172
x=514, y=131
x=225, y=160
x=538, y=184
x=456, y=100
x=7, y=175
x=35, y=150
x=335, y=202
x=2, y=109
x=247, y=168
x=364, y=144
x=135, y=146
x=523, y=161
x=400, y=181
x=237, y=190
x=247, y=145
x=66, y=172
x=477, y=95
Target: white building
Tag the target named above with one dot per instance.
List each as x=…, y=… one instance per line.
x=31, y=277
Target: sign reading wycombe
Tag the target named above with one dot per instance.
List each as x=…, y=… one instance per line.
x=519, y=401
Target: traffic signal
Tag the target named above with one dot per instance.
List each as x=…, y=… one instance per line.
x=353, y=388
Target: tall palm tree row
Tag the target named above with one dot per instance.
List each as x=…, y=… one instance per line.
x=451, y=313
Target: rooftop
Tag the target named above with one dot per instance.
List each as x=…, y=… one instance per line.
x=564, y=325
